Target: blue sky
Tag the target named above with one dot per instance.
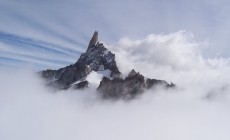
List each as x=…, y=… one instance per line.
x=53, y=33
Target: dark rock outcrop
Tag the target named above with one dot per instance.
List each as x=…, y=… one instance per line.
x=98, y=58
x=134, y=84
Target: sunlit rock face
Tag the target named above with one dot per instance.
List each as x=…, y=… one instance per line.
x=98, y=58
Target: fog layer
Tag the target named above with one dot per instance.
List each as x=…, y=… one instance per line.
x=198, y=109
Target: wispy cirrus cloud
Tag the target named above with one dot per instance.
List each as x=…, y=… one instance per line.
x=70, y=24
x=16, y=49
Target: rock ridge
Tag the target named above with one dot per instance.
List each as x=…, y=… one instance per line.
x=98, y=58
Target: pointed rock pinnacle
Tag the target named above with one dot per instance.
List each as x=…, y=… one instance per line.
x=93, y=40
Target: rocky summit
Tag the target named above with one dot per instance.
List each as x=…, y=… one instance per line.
x=98, y=58
x=134, y=84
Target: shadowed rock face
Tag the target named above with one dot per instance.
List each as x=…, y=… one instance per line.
x=134, y=84
x=93, y=41
x=80, y=85
x=98, y=58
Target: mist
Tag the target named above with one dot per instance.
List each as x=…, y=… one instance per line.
x=198, y=109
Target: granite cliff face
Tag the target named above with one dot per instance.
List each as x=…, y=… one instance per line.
x=98, y=58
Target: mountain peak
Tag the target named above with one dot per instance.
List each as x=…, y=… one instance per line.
x=99, y=59
x=93, y=40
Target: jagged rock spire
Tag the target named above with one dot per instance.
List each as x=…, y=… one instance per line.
x=93, y=40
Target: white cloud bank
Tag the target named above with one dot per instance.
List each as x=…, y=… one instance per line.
x=197, y=110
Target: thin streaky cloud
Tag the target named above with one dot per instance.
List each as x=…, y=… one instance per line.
x=33, y=51
x=31, y=44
